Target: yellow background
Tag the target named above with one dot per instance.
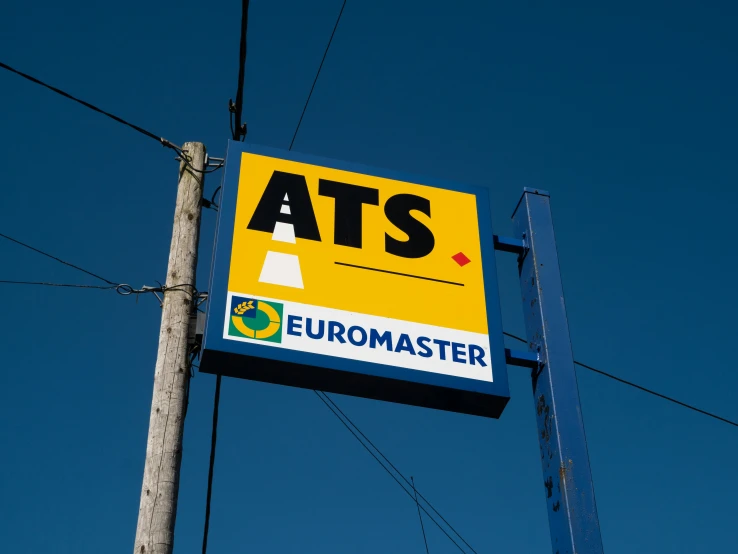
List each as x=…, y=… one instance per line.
x=453, y=222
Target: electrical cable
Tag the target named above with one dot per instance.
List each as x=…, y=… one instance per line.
x=161, y=140
x=58, y=260
x=164, y=142
x=127, y=289
x=639, y=387
x=121, y=288
x=212, y=198
x=374, y=446
x=213, y=440
x=239, y=130
x=387, y=470
x=236, y=133
x=58, y=285
x=211, y=204
x=206, y=171
x=420, y=517
x=304, y=109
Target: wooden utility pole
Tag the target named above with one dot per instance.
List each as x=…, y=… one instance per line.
x=158, y=509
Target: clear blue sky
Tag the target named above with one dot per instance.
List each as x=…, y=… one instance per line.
x=626, y=114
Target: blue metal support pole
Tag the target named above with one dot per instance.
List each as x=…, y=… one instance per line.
x=567, y=478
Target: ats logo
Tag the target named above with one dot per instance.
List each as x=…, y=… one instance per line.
x=255, y=319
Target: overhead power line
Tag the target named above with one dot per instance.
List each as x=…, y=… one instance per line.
x=639, y=387
x=95, y=275
x=354, y=429
x=240, y=130
x=127, y=289
x=409, y=483
x=211, y=468
x=161, y=140
x=420, y=516
x=649, y=391
x=109, y=287
x=121, y=288
x=304, y=109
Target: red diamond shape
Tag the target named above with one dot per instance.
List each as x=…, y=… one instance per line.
x=460, y=259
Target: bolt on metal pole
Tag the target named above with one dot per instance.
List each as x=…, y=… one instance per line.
x=158, y=509
x=567, y=477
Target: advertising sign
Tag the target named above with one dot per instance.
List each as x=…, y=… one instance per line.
x=345, y=278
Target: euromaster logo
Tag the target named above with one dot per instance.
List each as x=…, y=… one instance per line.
x=255, y=319
x=359, y=337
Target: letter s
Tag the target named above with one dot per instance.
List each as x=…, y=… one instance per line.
x=420, y=240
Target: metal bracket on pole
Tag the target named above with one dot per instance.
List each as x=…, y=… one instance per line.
x=507, y=244
x=522, y=359
x=567, y=478
x=196, y=329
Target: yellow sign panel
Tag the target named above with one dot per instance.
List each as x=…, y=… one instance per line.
x=357, y=243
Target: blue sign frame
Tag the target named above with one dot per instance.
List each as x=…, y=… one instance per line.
x=334, y=374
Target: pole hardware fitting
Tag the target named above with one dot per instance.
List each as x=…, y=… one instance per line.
x=154, y=291
x=240, y=131
x=212, y=162
x=205, y=203
x=125, y=290
x=512, y=245
x=208, y=159
x=195, y=331
x=201, y=299
x=168, y=144
x=519, y=358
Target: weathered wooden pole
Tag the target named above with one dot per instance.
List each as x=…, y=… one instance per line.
x=158, y=509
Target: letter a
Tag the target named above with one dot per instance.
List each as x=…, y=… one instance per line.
x=300, y=213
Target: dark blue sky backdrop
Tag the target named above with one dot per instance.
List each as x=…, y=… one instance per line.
x=627, y=114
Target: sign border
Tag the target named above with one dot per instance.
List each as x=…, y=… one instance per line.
x=341, y=375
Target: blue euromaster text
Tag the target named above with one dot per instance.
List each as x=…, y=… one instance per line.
x=356, y=335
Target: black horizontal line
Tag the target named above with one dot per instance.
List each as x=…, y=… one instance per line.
x=401, y=274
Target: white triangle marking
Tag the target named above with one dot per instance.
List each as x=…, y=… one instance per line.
x=281, y=269
x=284, y=232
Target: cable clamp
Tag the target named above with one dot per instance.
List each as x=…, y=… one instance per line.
x=154, y=291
